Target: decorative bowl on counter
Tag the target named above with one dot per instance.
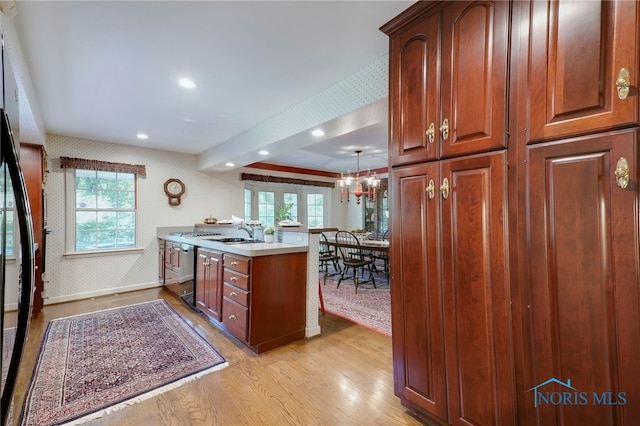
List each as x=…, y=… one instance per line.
x=210, y=220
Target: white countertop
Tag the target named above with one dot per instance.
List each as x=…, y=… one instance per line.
x=245, y=249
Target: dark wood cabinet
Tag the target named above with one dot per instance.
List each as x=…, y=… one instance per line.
x=33, y=164
x=448, y=79
x=260, y=300
x=524, y=281
x=209, y=274
x=451, y=290
x=583, y=320
x=418, y=334
x=576, y=54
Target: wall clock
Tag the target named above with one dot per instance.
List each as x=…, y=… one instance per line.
x=174, y=188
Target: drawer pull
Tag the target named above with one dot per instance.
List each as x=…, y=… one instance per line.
x=233, y=317
x=233, y=294
x=233, y=279
x=234, y=263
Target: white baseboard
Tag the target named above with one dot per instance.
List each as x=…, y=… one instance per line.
x=106, y=292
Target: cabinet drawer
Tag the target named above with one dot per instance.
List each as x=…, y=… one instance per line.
x=238, y=280
x=237, y=263
x=235, y=318
x=234, y=293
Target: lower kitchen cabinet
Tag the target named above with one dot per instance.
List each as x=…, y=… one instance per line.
x=261, y=299
x=208, y=287
x=450, y=290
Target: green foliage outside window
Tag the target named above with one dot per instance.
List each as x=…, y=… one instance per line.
x=105, y=210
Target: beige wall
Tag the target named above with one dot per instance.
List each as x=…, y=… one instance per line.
x=74, y=277
x=220, y=195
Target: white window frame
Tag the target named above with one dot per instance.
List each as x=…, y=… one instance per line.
x=70, y=220
x=301, y=190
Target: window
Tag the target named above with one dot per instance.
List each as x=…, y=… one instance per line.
x=267, y=199
x=315, y=210
x=7, y=213
x=292, y=198
x=104, y=212
x=247, y=205
x=266, y=207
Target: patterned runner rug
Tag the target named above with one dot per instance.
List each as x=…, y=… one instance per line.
x=95, y=363
x=370, y=308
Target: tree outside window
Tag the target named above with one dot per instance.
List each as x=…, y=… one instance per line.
x=105, y=210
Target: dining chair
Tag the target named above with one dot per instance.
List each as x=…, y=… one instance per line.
x=382, y=256
x=354, y=257
x=327, y=255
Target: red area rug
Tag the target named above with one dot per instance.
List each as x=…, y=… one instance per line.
x=95, y=363
x=370, y=308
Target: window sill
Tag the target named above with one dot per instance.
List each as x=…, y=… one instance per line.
x=100, y=253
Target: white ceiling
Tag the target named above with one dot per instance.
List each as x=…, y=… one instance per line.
x=267, y=72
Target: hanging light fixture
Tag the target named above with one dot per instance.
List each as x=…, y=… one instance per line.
x=347, y=180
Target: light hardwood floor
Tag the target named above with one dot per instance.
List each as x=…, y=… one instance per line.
x=343, y=377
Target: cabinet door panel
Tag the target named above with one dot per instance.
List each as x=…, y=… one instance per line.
x=415, y=284
x=577, y=50
x=214, y=283
x=474, y=76
x=476, y=292
x=414, y=91
x=583, y=286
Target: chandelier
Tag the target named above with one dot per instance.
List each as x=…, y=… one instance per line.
x=350, y=184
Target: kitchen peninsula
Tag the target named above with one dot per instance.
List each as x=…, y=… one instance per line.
x=255, y=291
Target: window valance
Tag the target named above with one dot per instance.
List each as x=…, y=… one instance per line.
x=103, y=166
x=279, y=179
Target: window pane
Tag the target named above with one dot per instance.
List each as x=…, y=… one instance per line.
x=266, y=207
x=292, y=199
x=126, y=220
x=105, y=210
x=85, y=199
x=315, y=210
x=126, y=200
x=247, y=204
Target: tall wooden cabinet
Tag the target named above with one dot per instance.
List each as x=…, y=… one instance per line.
x=515, y=251
x=451, y=339
x=33, y=164
x=577, y=139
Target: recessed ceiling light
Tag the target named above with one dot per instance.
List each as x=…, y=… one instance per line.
x=263, y=152
x=187, y=83
x=142, y=136
x=229, y=164
x=318, y=132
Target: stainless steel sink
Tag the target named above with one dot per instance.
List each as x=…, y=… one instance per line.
x=234, y=240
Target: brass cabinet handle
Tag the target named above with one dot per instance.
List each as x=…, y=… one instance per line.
x=444, y=129
x=623, y=82
x=431, y=189
x=233, y=279
x=233, y=317
x=234, y=263
x=206, y=263
x=431, y=133
x=622, y=173
x=233, y=294
x=444, y=188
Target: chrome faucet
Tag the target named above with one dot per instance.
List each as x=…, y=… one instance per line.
x=247, y=228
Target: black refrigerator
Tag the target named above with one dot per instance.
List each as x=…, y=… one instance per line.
x=16, y=245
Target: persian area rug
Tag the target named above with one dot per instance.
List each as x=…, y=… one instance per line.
x=370, y=308
x=96, y=363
